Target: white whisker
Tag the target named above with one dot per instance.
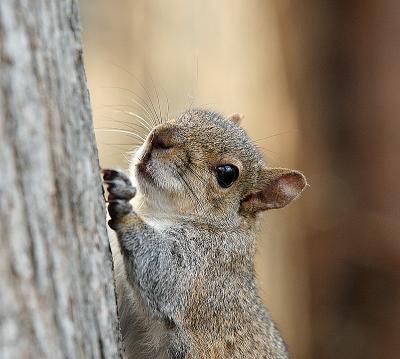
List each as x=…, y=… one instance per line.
x=121, y=131
x=130, y=113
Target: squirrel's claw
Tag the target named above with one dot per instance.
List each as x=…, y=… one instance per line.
x=118, y=208
x=110, y=175
x=118, y=185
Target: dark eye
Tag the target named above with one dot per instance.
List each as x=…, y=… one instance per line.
x=226, y=175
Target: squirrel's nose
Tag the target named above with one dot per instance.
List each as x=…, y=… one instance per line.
x=160, y=141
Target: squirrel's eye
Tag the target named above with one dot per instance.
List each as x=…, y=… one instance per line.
x=226, y=175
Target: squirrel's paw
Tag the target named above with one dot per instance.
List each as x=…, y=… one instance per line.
x=120, y=192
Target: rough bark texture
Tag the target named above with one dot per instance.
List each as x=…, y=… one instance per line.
x=57, y=294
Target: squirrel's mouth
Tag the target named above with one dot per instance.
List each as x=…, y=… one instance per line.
x=142, y=165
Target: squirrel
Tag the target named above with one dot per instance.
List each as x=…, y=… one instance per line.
x=186, y=220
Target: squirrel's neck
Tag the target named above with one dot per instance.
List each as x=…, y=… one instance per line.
x=162, y=215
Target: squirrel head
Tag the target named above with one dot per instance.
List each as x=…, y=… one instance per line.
x=205, y=167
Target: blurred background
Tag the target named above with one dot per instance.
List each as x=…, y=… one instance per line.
x=319, y=84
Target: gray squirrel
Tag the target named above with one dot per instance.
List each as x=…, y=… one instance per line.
x=186, y=235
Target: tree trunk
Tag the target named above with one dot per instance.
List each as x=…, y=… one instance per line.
x=57, y=295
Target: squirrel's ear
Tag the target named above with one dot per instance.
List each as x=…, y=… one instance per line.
x=236, y=117
x=278, y=187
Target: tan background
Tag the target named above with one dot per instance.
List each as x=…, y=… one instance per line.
x=318, y=84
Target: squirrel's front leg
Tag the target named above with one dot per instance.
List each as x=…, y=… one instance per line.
x=140, y=246
x=124, y=221
x=129, y=227
x=153, y=261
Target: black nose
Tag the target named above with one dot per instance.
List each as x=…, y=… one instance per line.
x=160, y=142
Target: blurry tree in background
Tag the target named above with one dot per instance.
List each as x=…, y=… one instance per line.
x=343, y=60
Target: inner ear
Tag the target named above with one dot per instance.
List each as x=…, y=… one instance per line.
x=278, y=187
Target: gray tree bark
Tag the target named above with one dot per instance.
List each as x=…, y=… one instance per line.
x=57, y=297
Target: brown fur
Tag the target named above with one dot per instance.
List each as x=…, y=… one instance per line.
x=187, y=288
